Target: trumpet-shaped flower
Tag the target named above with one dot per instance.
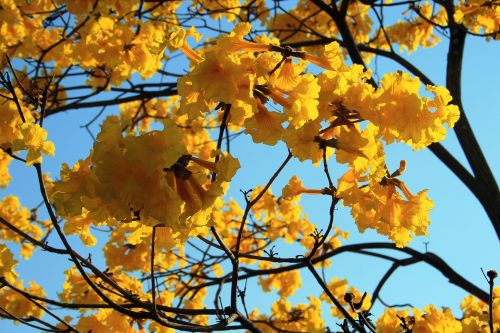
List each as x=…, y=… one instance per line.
x=179, y=195
x=7, y=264
x=380, y=206
x=5, y=160
x=34, y=140
x=401, y=114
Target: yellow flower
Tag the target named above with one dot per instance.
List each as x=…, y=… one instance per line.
x=344, y=90
x=33, y=140
x=479, y=16
x=20, y=306
x=401, y=114
x=380, y=206
x=389, y=322
x=196, y=302
x=4, y=170
x=302, y=143
x=19, y=216
x=105, y=185
x=295, y=188
x=265, y=126
x=235, y=42
x=301, y=105
x=328, y=57
x=287, y=77
x=228, y=9
x=305, y=317
x=176, y=39
x=7, y=264
x=412, y=33
x=223, y=77
x=434, y=320
x=476, y=313
x=77, y=290
x=105, y=320
x=80, y=225
x=339, y=289
x=286, y=283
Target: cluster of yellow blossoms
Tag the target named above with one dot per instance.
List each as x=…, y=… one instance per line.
x=5, y=177
x=474, y=320
x=248, y=75
x=11, y=301
x=308, y=317
x=479, y=16
x=297, y=318
x=179, y=193
x=475, y=313
x=17, y=134
x=112, y=48
x=380, y=206
x=416, y=32
x=20, y=217
x=290, y=26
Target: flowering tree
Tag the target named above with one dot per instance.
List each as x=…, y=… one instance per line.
x=178, y=249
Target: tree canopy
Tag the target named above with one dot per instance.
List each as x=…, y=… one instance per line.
x=157, y=236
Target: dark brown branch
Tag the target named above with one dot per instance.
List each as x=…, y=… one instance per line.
x=487, y=186
x=429, y=258
x=143, y=96
x=332, y=297
x=395, y=265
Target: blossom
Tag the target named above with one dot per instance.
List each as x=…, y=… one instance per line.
x=7, y=264
x=301, y=142
x=295, y=188
x=80, y=225
x=412, y=33
x=339, y=288
x=479, y=16
x=380, y=206
x=229, y=9
x=235, y=42
x=223, y=77
x=303, y=317
x=19, y=305
x=476, y=313
x=328, y=57
x=13, y=212
x=301, y=105
x=34, y=140
x=265, y=126
x=435, y=320
x=286, y=283
x=401, y=114
x=5, y=160
x=390, y=322
x=345, y=93
x=105, y=186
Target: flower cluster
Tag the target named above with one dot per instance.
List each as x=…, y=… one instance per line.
x=104, y=187
x=386, y=206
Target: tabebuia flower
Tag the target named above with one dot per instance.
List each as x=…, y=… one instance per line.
x=7, y=264
x=149, y=178
x=429, y=320
x=403, y=115
x=20, y=133
x=17, y=215
x=5, y=177
x=34, y=141
x=386, y=205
